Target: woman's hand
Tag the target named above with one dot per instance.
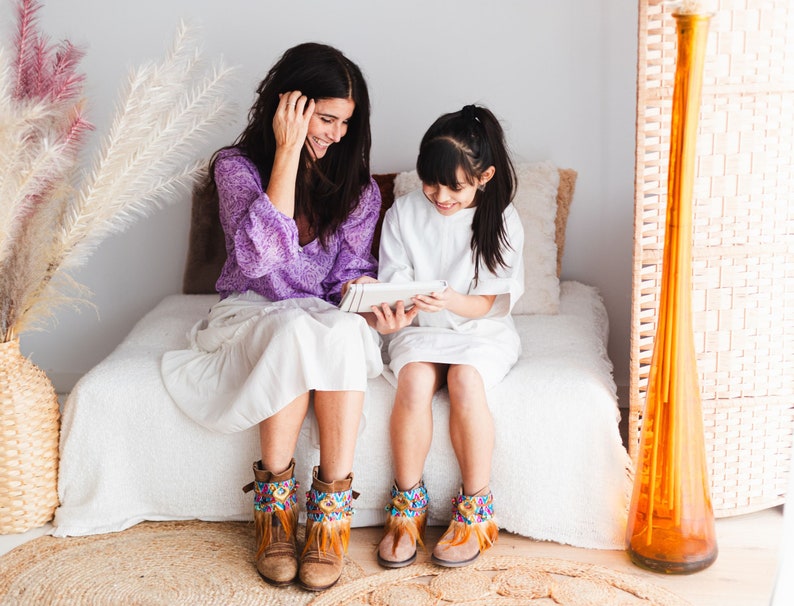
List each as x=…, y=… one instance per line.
x=291, y=120
x=359, y=280
x=386, y=320
x=290, y=126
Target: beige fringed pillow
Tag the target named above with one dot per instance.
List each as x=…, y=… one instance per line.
x=544, y=216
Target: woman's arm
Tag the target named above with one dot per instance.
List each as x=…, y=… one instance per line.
x=290, y=126
x=262, y=236
x=354, y=258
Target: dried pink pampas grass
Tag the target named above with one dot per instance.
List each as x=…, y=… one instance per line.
x=54, y=213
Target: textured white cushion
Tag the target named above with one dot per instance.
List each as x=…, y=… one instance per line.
x=128, y=454
x=536, y=202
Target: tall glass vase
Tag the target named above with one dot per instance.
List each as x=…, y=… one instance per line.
x=671, y=521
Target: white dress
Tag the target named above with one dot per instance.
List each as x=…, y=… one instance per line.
x=419, y=243
x=251, y=357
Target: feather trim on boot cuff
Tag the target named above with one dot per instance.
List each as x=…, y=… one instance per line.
x=274, y=495
x=407, y=515
x=472, y=514
x=328, y=516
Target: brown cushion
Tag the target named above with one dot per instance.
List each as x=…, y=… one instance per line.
x=207, y=248
x=564, y=198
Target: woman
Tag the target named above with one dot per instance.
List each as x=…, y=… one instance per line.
x=298, y=208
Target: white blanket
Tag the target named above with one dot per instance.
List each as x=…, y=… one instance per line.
x=559, y=468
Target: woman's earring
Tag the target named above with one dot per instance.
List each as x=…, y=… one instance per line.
x=481, y=187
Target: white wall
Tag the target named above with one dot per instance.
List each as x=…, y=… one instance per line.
x=561, y=76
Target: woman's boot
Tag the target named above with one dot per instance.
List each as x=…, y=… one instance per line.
x=275, y=522
x=328, y=515
x=404, y=528
x=471, y=531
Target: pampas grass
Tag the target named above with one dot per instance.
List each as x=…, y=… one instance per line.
x=55, y=209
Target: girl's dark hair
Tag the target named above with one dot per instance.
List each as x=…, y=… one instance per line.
x=472, y=139
x=327, y=190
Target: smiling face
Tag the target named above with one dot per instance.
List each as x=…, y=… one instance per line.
x=448, y=200
x=328, y=124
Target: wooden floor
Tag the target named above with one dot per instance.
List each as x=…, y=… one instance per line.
x=743, y=575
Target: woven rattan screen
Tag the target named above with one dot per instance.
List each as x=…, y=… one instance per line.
x=743, y=250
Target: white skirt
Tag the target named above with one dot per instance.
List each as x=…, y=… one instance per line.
x=251, y=357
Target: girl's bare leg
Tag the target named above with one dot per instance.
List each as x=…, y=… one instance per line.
x=470, y=427
x=472, y=434
x=411, y=431
x=411, y=425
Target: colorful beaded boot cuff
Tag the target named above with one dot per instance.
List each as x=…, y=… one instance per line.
x=472, y=510
x=408, y=503
x=328, y=506
x=270, y=496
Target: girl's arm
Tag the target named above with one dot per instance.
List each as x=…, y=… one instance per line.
x=507, y=283
x=263, y=237
x=394, y=263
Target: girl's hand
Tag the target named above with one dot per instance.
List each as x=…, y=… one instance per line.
x=386, y=320
x=467, y=306
x=436, y=301
x=291, y=120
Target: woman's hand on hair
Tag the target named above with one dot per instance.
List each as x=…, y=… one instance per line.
x=291, y=120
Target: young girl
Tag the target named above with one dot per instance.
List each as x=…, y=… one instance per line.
x=460, y=227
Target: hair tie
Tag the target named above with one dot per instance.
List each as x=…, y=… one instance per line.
x=469, y=112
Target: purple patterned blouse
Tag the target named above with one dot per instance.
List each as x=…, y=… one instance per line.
x=263, y=254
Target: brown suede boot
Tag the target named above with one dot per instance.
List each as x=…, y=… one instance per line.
x=275, y=522
x=328, y=516
x=471, y=531
x=404, y=528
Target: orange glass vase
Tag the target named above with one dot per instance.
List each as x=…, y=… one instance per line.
x=671, y=520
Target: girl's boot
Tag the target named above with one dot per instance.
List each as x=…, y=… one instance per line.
x=471, y=531
x=275, y=522
x=328, y=515
x=404, y=528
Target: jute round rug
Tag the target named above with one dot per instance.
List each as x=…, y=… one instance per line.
x=204, y=563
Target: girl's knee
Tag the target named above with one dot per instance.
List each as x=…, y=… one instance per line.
x=464, y=378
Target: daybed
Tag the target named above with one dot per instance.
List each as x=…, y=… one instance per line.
x=560, y=471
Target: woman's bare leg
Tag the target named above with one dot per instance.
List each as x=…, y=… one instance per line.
x=338, y=417
x=278, y=434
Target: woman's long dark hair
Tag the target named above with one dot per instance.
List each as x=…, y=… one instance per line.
x=326, y=190
x=472, y=139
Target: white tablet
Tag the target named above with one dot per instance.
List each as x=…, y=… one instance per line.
x=361, y=297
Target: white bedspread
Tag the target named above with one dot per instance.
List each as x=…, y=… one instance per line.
x=559, y=468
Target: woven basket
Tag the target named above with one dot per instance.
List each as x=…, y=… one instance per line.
x=29, y=431
x=743, y=249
